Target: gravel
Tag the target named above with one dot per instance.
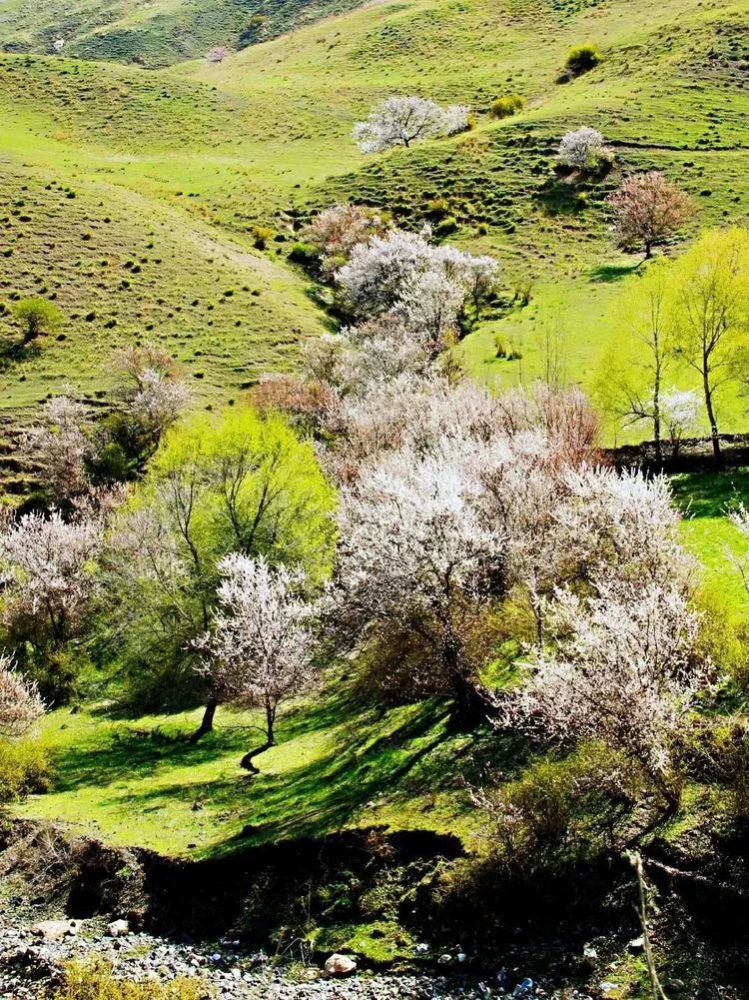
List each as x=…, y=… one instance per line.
x=26, y=962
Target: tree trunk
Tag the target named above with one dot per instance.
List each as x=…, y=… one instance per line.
x=711, y=416
x=657, y=419
x=648, y=250
x=270, y=740
x=206, y=725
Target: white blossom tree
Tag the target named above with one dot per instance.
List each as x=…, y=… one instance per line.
x=625, y=672
x=20, y=703
x=581, y=149
x=680, y=410
x=62, y=446
x=258, y=651
x=47, y=568
x=420, y=571
x=385, y=274
x=402, y=121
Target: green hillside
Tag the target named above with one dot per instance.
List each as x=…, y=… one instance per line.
x=264, y=137
x=152, y=34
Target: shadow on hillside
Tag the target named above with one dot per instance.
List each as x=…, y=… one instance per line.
x=13, y=351
x=608, y=273
x=326, y=793
x=560, y=197
x=711, y=494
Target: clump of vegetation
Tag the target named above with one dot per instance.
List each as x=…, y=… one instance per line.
x=582, y=58
x=25, y=768
x=95, y=980
x=37, y=317
x=505, y=107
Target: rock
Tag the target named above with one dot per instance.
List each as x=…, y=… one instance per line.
x=590, y=955
x=118, y=928
x=524, y=988
x=636, y=945
x=339, y=965
x=55, y=930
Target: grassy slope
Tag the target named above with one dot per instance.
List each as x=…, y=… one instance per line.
x=269, y=130
x=670, y=95
x=198, y=154
x=336, y=765
x=123, y=261
x=156, y=33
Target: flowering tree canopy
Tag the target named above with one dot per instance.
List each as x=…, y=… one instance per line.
x=402, y=121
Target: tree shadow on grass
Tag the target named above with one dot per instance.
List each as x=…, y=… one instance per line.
x=410, y=754
x=320, y=796
x=609, y=273
x=711, y=494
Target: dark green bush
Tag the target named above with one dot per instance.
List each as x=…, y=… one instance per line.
x=446, y=226
x=305, y=254
x=561, y=808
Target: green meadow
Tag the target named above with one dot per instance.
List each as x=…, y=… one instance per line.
x=132, y=195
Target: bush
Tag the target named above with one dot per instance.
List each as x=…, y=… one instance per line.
x=37, y=316
x=261, y=236
x=305, y=254
x=24, y=768
x=446, y=226
x=95, y=980
x=508, y=105
x=561, y=809
x=582, y=58
x=438, y=208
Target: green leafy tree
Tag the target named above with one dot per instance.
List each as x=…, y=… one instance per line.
x=37, y=316
x=238, y=483
x=711, y=313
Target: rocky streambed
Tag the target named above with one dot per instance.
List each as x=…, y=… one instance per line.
x=31, y=959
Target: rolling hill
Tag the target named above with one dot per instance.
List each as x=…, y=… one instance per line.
x=105, y=162
x=152, y=33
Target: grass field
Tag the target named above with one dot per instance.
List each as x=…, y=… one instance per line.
x=130, y=195
x=336, y=766
x=190, y=158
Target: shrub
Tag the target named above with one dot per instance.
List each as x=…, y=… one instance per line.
x=560, y=809
x=305, y=254
x=438, y=208
x=95, y=980
x=37, y=316
x=582, y=58
x=505, y=107
x=446, y=226
x=24, y=768
x=261, y=236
